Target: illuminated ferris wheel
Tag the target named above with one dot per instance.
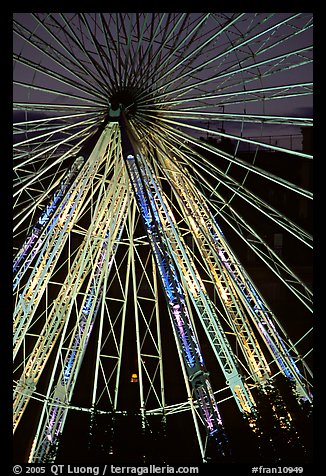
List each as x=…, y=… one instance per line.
x=159, y=189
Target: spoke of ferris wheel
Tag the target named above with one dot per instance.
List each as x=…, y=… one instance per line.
x=121, y=57
x=173, y=53
x=50, y=146
x=189, y=73
x=265, y=252
x=107, y=51
x=183, y=98
x=262, y=249
x=243, y=193
x=241, y=70
x=230, y=71
x=237, y=160
x=283, y=38
x=170, y=26
x=210, y=101
x=215, y=58
x=257, y=203
x=100, y=54
x=44, y=163
x=174, y=56
x=93, y=104
x=64, y=80
x=296, y=31
x=70, y=53
x=133, y=58
x=41, y=164
x=118, y=57
x=56, y=122
x=110, y=43
x=243, y=95
x=46, y=150
x=125, y=22
x=73, y=36
x=115, y=44
x=55, y=130
x=56, y=56
x=174, y=48
x=139, y=75
x=214, y=191
x=58, y=156
x=237, y=117
x=44, y=124
x=247, y=195
x=165, y=63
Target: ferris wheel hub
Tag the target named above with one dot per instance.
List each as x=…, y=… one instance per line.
x=124, y=99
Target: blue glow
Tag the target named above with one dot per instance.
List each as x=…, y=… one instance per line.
x=168, y=273
x=34, y=241
x=25, y=249
x=85, y=312
x=174, y=293
x=59, y=194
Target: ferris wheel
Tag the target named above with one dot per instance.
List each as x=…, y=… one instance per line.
x=162, y=226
